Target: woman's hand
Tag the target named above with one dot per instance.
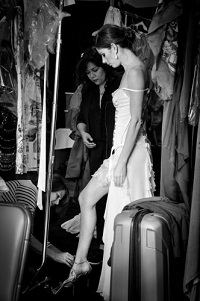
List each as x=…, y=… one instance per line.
x=63, y=257
x=119, y=174
x=88, y=140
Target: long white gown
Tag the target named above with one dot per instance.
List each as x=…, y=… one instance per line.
x=138, y=184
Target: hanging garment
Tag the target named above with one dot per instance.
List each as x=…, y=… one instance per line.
x=8, y=77
x=139, y=24
x=74, y=108
x=175, y=169
x=140, y=31
x=113, y=16
x=174, y=182
x=42, y=161
x=191, y=75
x=78, y=165
x=7, y=11
x=41, y=20
x=191, y=281
x=143, y=51
x=137, y=33
x=194, y=109
x=29, y=125
x=162, y=38
x=8, y=125
x=189, y=45
x=18, y=46
x=32, y=121
x=4, y=29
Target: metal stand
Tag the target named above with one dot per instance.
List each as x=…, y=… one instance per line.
x=52, y=140
x=51, y=160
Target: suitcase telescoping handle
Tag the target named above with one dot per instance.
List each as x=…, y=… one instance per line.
x=135, y=256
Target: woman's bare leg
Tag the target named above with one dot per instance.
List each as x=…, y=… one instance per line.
x=88, y=198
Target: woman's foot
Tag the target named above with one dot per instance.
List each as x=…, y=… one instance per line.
x=78, y=270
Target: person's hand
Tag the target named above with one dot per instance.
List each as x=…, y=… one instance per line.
x=64, y=257
x=119, y=174
x=88, y=140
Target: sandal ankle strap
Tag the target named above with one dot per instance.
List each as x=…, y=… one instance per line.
x=80, y=262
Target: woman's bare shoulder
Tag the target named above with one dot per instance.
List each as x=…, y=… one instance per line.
x=136, y=78
x=136, y=71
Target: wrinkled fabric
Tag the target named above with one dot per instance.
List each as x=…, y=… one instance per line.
x=21, y=191
x=8, y=128
x=174, y=181
x=41, y=24
x=77, y=159
x=177, y=215
x=74, y=108
x=138, y=183
x=73, y=225
x=189, y=64
x=191, y=282
x=162, y=39
x=29, y=125
x=113, y=16
x=143, y=51
x=194, y=109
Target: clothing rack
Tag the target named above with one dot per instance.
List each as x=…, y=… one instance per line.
x=126, y=14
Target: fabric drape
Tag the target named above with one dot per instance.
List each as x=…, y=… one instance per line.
x=191, y=283
x=175, y=176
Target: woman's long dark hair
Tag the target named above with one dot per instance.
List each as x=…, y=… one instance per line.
x=59, y=183
x=109, y=34
x=91, y=55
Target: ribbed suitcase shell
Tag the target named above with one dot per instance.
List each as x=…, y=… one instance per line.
x=140, y=261
x=15, y=231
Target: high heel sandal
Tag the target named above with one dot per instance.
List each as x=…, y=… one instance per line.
x=73, y=277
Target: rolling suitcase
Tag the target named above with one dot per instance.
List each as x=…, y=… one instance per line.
x=15, y=231
x=140, y=258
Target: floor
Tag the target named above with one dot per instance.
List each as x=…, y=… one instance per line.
x=85, y=289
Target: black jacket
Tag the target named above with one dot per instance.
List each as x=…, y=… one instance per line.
x=100, y=122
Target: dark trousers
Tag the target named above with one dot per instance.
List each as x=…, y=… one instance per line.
x=100, y=208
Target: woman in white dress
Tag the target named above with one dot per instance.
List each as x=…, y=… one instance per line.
x=127, y=175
